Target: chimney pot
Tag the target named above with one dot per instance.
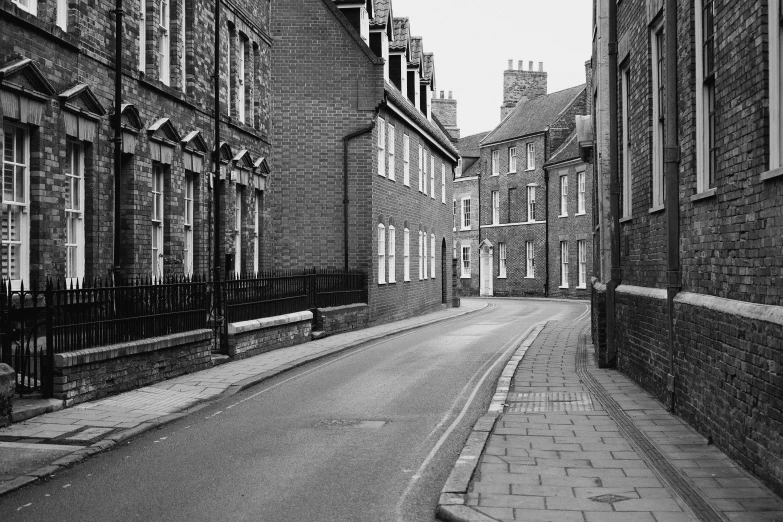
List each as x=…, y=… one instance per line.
x=540, y=66
x=511, y=65
x=531, y=66
x=441, y=95
x=521, y=65
x=449, y=95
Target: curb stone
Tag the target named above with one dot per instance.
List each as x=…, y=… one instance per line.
x=124, y=435
x=451, y=505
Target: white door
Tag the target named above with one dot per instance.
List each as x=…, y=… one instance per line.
x=486, y=272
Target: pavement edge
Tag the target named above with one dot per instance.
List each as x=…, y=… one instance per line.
x=124, y=435
x=452, y=504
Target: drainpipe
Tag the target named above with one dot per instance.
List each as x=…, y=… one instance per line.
x=117, y=137
x=546, y=219
x=216, y=187
x=610, y=358
x=346, y=139
x=481, y=174
x=671, y=166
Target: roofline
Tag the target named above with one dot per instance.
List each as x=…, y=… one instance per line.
x=563, y=163
x=352, y=32
x=517, y=138
x=402, y=113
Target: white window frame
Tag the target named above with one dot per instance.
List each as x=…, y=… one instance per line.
x=531, y=156
x=465, y=215
x=432, y=256
x=406, y=255
x=581, y=249
x=142, y=34
x=458, y=171
x=705, y=102
x=182, y=47
x=443, y=183
x=241, y=116
x=432, y=176
x=421, y=257
x=381, y=254
x=164, y=42
x=406, y=160
x=658, y=190
x=30, y=6
x=454, y=216
x=392, y=254
x=424, y=180
x=531, y=203
x=158, y=194
x=625, y=80
x=188, y=223
x=502, y=260
x=421, y=163
x=62, y=14
x=563, y=195
x=425, y=256
x=580, y=192
x=495, y=207
x=495, y=162
x=512, y=160
x=74, y=212
x=381, y=147
x=391, y=150
x=257, y=232
x=564, y=264
x=465, y=262
x=530, y=260
x=238, y=230
x=775, y=86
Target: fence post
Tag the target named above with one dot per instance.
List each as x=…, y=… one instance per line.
x=5, y=341
x=47, y=371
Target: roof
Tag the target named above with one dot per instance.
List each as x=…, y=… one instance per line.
x=411, y=112
x=567, y=151
x=429, y=66
x=417, y=48
x=402, y=34
x=533, y=116
x=381, y=14
x=470, y=146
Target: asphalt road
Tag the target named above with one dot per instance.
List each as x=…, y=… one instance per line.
x=369, y=434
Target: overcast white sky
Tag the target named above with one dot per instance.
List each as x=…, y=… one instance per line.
x=474, y=39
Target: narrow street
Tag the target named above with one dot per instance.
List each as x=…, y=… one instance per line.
x=370, y=434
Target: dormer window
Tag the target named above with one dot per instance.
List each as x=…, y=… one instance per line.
x=357, y=15
x=364, y=25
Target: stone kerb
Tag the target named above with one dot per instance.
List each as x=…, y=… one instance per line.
x=92, y=373
x=257, y=336
x=7, y=388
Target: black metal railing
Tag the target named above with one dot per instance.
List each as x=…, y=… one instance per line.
x=36, y=324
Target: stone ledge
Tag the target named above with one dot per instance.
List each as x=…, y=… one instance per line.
x=343, y=308
x=268, y=322
x=642, y=291
x=114, y=351
x=756, y=312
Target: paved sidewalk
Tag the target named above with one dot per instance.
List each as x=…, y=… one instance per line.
x=578, y=443
x=41, y=445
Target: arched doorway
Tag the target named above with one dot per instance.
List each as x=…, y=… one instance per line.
x=485, y=285
x=443, y=287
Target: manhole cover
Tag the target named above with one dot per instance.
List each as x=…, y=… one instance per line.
x=609, y=499
x=349, y=423
x=549, y=401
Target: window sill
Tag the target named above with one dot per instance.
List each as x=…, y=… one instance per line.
x=563, y=215
x=582, y=287
x=563, y=287
x=393, y=179
x=392, y=283
x=581, y=214
x=468, y=229
x=465, y=276
x=530, y=277
x=626, y=219
x=653, y=210
x=771, y=174
x=530, y=170
x=494, y=175
x=381, y=284
x=512, y=172
x=709, y=193
x=502, y=277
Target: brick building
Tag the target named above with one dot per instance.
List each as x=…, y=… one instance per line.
x=465, y=208
x=688, y=291
x=57, y=87
x=362, y=172
x=534, y=210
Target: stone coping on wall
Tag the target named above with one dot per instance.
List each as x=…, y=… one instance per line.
x=343, y=307
x=268, y=322
x=642, y=291
x=757, y=312
x=105, y=353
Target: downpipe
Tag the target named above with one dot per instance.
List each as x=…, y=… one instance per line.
x=346, y=139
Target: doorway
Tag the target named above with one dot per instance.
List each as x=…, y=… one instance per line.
x=486, y=254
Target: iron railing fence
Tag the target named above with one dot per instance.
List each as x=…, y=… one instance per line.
x=36, y=324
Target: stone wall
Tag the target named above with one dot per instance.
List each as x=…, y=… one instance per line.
x=249, y=338
x=89, y=374
x=339, y=319
x=7, y=387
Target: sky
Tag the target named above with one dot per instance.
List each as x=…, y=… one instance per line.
x=473, y=40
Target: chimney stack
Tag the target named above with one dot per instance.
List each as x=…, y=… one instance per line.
x=520, y=86
x=445, y=110
x=511, y=65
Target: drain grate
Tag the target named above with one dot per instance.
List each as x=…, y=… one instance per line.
x=549, y=401
x=609, y=499
x=349, y=423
